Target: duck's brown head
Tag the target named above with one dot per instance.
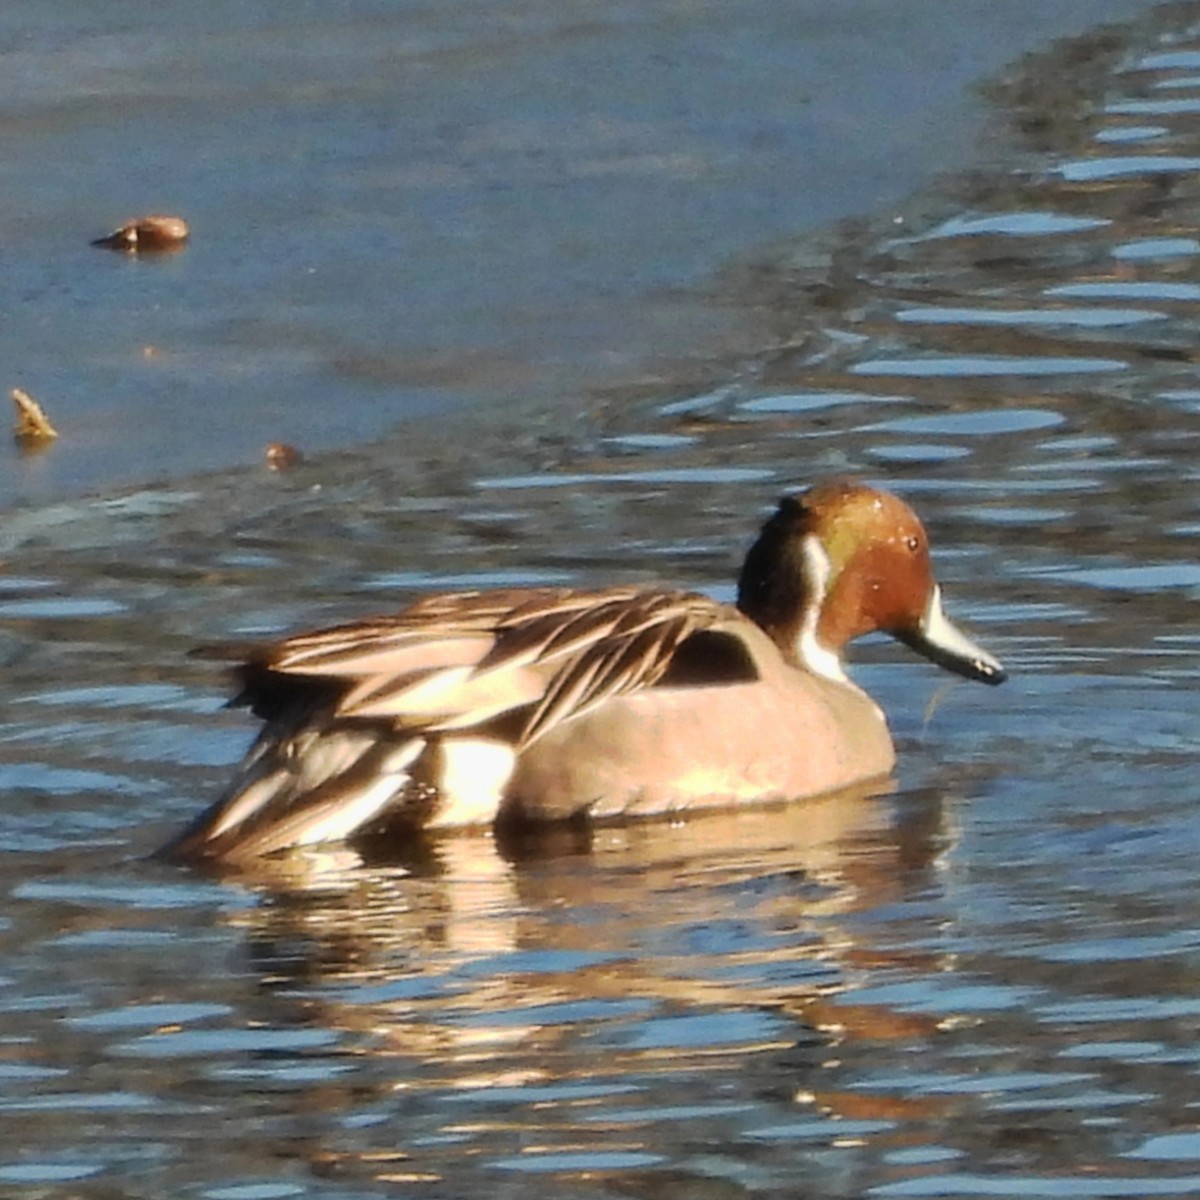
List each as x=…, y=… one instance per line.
x=843, y=559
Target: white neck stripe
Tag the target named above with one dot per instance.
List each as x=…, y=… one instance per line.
x=817, y=570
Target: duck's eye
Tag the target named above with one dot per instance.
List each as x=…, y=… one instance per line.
x=913, y=542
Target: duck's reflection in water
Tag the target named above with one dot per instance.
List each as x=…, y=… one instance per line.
x=561, y=996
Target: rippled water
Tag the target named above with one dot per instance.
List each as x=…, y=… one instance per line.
x=983, y=982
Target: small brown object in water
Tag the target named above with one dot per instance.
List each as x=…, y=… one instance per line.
x=155, y=233
x=32, y=428
x=282, y=457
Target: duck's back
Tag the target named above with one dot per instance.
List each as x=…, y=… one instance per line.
x=422, y=717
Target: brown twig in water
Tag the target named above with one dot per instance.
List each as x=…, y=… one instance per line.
x=280, y=456
x=156, y=232
x=32, y=425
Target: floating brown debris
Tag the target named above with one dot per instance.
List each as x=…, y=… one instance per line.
x=32, y=428
x=282, y=457
x=155, y=233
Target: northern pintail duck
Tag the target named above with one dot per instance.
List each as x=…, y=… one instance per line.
x=552, y=703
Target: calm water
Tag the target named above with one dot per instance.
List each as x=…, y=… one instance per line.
x=400, y=208
x=982, y=983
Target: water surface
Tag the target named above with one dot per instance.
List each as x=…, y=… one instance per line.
x=403, y=210
x=981, y=982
